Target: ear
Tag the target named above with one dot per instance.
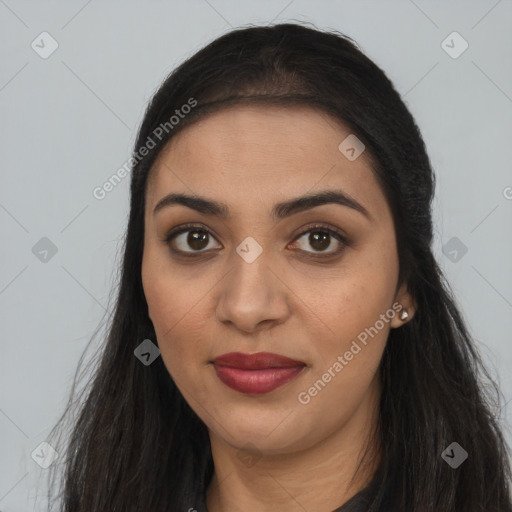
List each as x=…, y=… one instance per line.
x=404, y=302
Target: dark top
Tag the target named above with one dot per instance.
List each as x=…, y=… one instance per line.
x=358, y=503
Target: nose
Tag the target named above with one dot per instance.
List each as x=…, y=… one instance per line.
x=253, y=294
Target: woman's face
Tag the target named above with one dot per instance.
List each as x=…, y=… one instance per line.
x=268, y=279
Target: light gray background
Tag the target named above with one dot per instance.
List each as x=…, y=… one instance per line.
x=69, y=122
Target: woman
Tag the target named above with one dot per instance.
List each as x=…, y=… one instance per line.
x=283, y=336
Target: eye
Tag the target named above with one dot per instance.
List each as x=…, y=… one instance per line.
x=197, y=238
x=320, y=239
x=188, y=236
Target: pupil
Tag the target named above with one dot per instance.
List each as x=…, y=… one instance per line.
x=195, y=239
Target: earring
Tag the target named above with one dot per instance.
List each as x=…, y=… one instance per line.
x=404, y=315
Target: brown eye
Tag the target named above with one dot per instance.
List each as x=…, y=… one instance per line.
x=321, y=239
x=189, y=240
x=196, y=240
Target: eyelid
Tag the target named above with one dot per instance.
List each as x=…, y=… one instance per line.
x=337, y=233
x=320, y=226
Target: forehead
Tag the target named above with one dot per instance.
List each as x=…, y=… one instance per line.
x=292, y=128
x=260, y=151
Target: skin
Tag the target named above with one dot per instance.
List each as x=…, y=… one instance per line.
x=271, y=450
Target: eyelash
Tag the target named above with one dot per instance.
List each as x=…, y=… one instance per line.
x=337, y=234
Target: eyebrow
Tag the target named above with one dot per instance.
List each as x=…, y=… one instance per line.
x=279, y=211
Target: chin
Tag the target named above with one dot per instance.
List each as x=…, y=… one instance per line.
x=268, y=432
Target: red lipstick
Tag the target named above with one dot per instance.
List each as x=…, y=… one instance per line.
x=256, y=373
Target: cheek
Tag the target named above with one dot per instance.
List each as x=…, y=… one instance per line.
x=347, y=358
x=357, y=335
x=355, y=309
x=177, y=311
x=351, y=302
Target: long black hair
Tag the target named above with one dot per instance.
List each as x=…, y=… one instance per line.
x=135, y=443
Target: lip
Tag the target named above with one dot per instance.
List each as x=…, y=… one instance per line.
x=256, y=373
x=258, y=361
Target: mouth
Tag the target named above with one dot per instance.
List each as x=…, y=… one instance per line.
x=257, y=373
